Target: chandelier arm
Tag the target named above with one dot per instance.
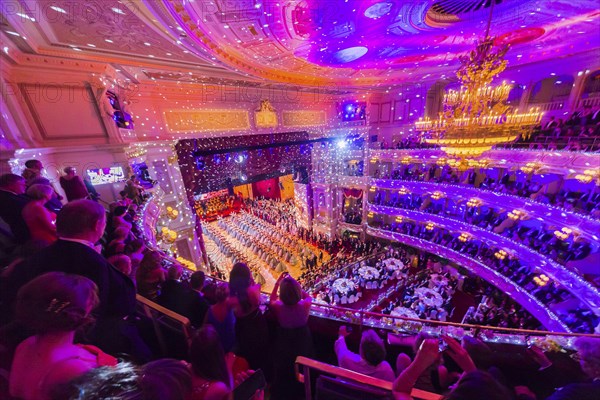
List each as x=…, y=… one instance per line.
x=489, y=23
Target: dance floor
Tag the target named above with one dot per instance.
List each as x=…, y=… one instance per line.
x=269, y=250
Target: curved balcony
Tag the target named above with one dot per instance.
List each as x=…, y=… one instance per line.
x=567, y=165
x=454, y=206
x=586, y=225
x=575, y=284
x=543, y=314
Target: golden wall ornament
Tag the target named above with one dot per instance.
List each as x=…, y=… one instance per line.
x=265, y=116
x=304, y=118
x=192, y=121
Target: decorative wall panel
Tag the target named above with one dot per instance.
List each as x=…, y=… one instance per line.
x=374, y=114
x=189, y=121
x=304, y=118
x=79, y=117
x=385, y=112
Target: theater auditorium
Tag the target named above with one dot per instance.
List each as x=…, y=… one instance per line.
x=300, y=199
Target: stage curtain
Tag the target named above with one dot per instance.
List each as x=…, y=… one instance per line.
x=269, y=189
x=354, y=193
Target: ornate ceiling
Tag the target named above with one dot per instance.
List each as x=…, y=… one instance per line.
x=339, y=43
x=371, y=43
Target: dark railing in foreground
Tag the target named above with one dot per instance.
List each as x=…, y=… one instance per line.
x=304, y=366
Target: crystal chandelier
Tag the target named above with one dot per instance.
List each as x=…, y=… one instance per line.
x=476, y=117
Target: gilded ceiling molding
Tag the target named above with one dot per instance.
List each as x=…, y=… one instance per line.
x=193, y=121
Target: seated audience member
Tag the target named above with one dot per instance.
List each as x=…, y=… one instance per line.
x=211, y=377
x=93, y=193
x=40, y=221
x=220, y=316
x=208, y=291
x=178, y=297
x=402, y=362
x=118, y=219
x=117, y=244
x=251, y=328
x=121, y=262
x=473, y=384
x=162, y=379
x=435, y=378
x=73, y=185
x=33, y=170
x=80, y=224
x=12, y=202
x=588, y=350
x=133, y=190
x=135, y=251
x=53, y=306
x=371, y=360
x=33, y=175
x=150, y=275
x=291, y=308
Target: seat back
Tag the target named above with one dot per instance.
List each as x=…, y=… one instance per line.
x=172, y=331
x=329, y=388
x=335, y=383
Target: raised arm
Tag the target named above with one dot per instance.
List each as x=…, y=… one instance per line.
x=274, y=293
x=426, y=355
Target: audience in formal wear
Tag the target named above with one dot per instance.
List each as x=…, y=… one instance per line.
x=179, y=297
x=291, y=307
x=370, y=361
x=39, y=220
x=251, y=330
x=73, y=185
x=150, y=275
x=52, y=307
x=12, y=202
x=220, y=316
x=79, y=225
x=211, y=376
x=33, y=175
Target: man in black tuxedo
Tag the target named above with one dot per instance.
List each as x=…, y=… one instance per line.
x=80, y=224
x=178, y=297
x=12, y=201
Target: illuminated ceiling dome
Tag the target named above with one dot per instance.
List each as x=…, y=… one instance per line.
x=371, y=43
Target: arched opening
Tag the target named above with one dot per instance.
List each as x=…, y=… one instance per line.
x=553, y=89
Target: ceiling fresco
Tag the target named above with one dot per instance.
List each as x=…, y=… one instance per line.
x=372, y=43
x=338, y=44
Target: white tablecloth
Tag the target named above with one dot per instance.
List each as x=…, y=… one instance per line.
x=403, y=312
x=343, y=286
x=368, y=273
x=429, y=297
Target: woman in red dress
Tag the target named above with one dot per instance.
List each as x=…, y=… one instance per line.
x=40, y=221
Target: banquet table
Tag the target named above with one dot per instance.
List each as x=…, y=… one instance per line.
x=429, y=297
x=344, y=288
x=368, y=273
x=403, y=312
x=394, y=265
x=437, y=280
